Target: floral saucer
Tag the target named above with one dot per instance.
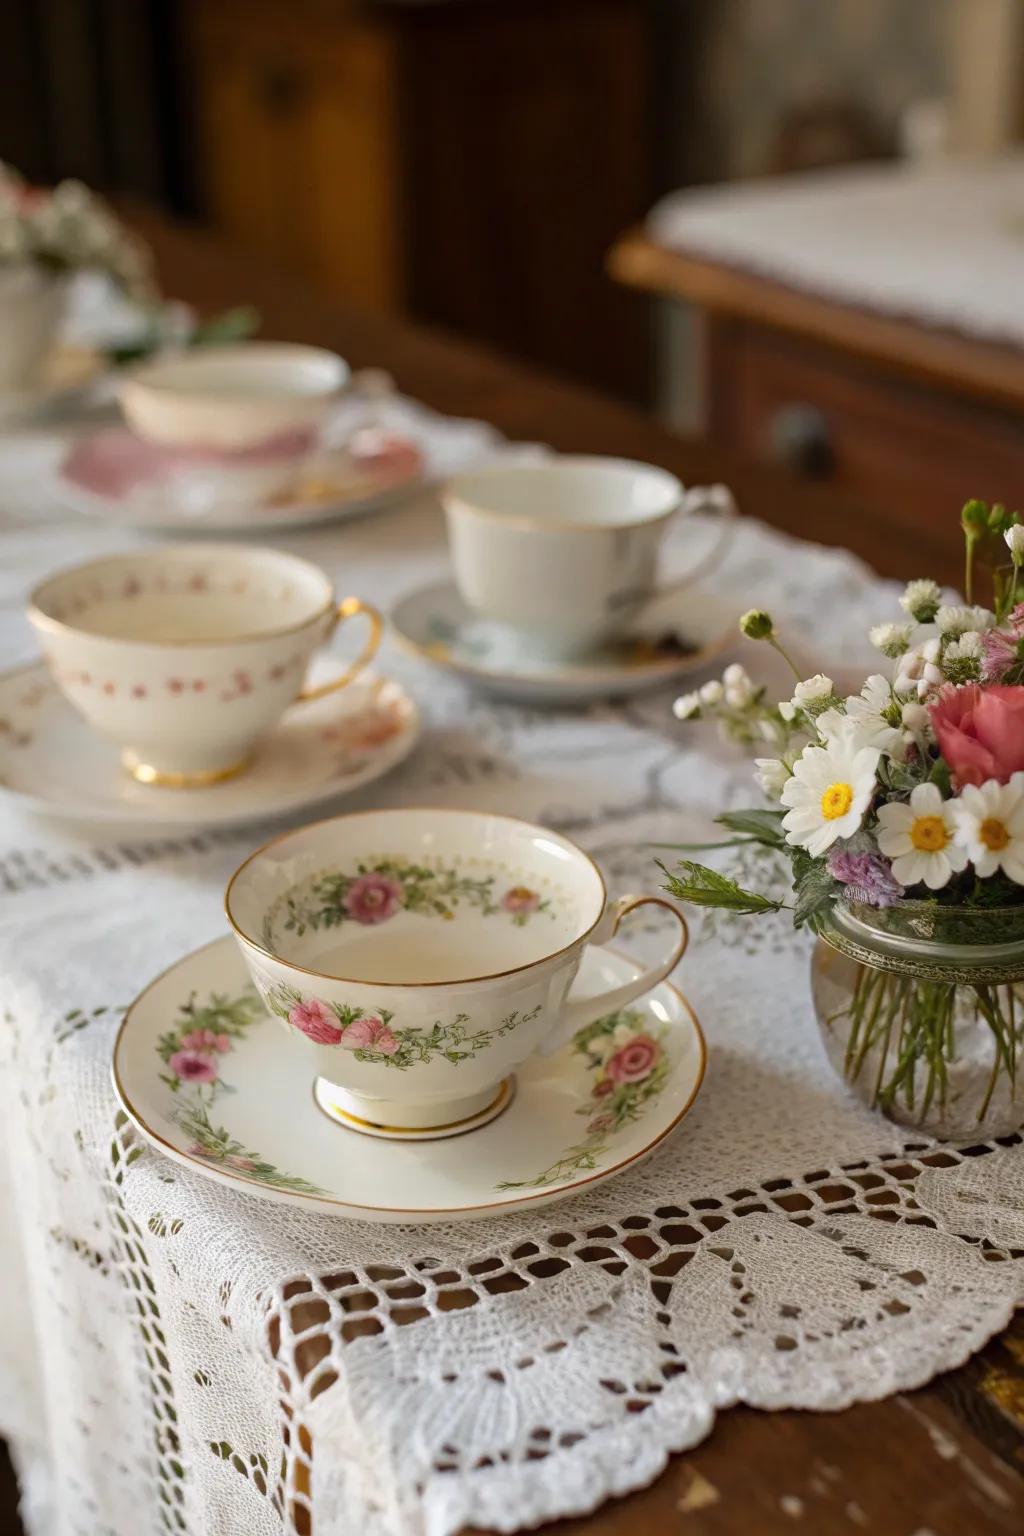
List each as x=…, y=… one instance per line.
x=113, y=475
x=213, y=1081
x=51, y=761
x=677, y=634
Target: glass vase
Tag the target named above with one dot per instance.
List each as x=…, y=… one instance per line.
x=921, y=1009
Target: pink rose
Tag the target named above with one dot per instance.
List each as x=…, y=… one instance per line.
x=370, y=1034
x=193, y=1066
x=206, y=1040
x=316, y=1021
x=633, y=1061
x=373, y=898
x=520, y=899
x=980, y=732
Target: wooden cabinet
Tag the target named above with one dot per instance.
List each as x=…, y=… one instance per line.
x=468, y=161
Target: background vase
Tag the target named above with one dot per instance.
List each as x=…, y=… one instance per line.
x=921, y=1010
x=31, y=307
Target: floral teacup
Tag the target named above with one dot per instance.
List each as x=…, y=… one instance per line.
x=186, y=655
x=419, y=956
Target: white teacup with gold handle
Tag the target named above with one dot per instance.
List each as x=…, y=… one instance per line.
x=188, y=654
x=419, y=956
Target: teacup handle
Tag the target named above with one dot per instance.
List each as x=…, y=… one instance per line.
x=585, y=1010
x=347, y=609
x=719, y=501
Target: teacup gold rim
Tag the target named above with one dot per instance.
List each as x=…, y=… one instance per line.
x=45, y=622
x=450, y=494
x=398, y=1210
x=429, y=810
x=566, y=674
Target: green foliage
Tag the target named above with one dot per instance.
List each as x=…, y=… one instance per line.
x=705, y=887
x=815, y=891
x=763, y=826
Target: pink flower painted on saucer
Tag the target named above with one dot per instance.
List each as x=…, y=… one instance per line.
x=316, y=1021
x=373, y=898
x=206, y=1040
x=369, y=1034
x=633, y=1061
x=193, y=1066
x=520, y=900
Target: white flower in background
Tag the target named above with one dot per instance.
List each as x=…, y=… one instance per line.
x=772, y=774
x=712, y=692
x=957, y=619
x=961, y=660
x=787, y=709
x=770, y=730
x=921, y=600
x=989, y=822
x=812, y=688
x=920, y=838
x=1015, y=542
x=919, y=670
x=916, y=718
x=891, y=639
x=828, y=794
x=687, y=706
x=734, y=674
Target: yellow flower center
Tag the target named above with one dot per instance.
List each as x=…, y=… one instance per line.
x=993, y=834
x=836, y=801
x=928, y=834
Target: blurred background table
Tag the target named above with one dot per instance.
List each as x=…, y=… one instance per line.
x=942, y=1460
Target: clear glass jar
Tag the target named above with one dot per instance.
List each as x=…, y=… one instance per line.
x=921, y=1009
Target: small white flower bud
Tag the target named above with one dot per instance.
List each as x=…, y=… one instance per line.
x=687, y=707
x=712, y=692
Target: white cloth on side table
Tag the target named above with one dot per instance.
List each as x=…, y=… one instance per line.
x=171, y=1350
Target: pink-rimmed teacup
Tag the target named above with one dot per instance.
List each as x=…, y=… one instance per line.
x=186, y=655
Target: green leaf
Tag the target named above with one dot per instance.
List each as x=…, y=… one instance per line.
x=815, y=891
x=705, y=887
x=763, y=826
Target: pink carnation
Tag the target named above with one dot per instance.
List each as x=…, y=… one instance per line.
x=373, y=898
x=370, y=1034
x=633, y=1061
x=193, y=1066
x=980, y=732
x=999, y=654
x=316, y=1021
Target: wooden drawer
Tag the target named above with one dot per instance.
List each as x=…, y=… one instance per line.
x=910, y=450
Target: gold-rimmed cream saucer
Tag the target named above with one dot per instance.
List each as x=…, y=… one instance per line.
x=222, y=1089
x=53, y=763
x=678, y=635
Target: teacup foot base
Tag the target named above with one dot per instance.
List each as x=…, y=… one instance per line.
x=364, y=1115
x=145, y=773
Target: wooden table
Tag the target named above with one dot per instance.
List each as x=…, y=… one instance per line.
x=902, y=419
x=945, y=1461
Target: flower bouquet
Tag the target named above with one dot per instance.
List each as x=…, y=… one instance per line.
x=44, y=237
x=901, y=812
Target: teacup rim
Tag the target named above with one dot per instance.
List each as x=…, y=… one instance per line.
x=149, y=374
x=450, y=493
x=48, y=624
x=400, y=810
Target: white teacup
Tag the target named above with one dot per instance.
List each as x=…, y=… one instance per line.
x=566, y=552
x=186, y=655
x=227, y=400
x=419, y=956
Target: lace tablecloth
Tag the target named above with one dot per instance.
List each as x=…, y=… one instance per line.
x=943, y=245
x=179, y=1357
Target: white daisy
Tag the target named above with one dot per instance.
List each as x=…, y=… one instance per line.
x=990, y=826
x=921, y=600
x=812, y=689
x=961, y=660
x=891, y=639
x=956, y=619
x=829, y=792
x=919, y=838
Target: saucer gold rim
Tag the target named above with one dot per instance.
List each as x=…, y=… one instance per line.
x=412, y=1213
x=163, y=778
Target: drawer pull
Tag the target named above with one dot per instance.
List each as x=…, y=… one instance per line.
x=799, y=438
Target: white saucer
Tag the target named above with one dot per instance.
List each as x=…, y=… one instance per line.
x=214, y=497
x=678, y=634
x=51, y=761
x=255, y=1125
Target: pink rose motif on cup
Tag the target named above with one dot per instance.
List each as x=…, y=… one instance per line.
x=316, y=1021
x=193, y=1066
x=520, y=900
x=370, y=1034
x=633, y=1061
x=373, y=898
x=206, y=1040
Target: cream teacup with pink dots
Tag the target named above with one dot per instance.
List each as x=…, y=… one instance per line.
x=186, y=655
